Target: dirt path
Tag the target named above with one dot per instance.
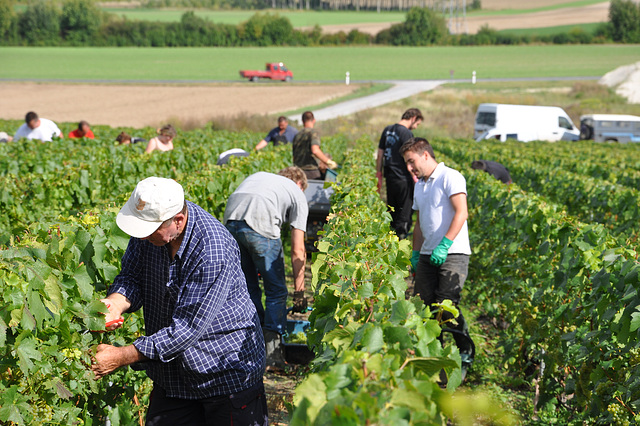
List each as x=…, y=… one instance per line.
x=566, y=16
x=151, y=105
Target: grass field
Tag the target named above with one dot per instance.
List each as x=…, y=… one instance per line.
x=313, y=64
x=297, y=18
x=587, y=28
x=518, y=11
x=304, y=18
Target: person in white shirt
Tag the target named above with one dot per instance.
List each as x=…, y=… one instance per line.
x=441, y=246
x=37, y=128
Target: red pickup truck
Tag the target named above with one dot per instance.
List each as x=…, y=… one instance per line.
x=273, y=71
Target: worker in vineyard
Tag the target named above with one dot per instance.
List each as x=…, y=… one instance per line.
x=38, y=128
x=124, y=138
x=494, y=168
x=255, y=213
x=441, y=247
x=282, y=134
x=399, y=181
x=203, y=346
x=306, y=150
x=5, y=137
x=83, y=131
x=164, y=140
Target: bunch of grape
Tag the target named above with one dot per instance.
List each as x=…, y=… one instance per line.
x=620, y=416
x=299, y=337
x=42, y=412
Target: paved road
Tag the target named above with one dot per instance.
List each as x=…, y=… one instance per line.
x=399, y=90
x=403, y=89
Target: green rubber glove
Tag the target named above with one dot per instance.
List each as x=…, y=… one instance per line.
x=415, y=256
x=439, y=254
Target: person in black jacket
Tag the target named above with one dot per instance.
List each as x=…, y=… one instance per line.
x=399, y=181
x=495, y=169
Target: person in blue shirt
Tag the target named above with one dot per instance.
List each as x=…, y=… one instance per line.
x=203, y=346
x=283, y=134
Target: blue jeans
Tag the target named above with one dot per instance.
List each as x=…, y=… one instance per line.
x=264, y=256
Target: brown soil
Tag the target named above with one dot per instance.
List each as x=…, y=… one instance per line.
x=551, y=18
x=151, y=105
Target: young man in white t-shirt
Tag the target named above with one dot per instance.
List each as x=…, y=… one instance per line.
x=37, y=128
x=441, y=247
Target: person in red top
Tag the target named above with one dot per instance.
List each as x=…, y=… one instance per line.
x=83, y=131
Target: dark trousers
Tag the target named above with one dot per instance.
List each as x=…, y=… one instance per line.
x=314, y=174
x=400, y=197
x=247, y=407
x=436, y=283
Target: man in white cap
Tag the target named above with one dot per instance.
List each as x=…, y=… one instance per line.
x=203, y=347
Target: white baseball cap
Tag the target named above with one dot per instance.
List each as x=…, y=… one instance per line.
x=153, y=201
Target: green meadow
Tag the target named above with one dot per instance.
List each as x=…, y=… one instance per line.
x=548, y=31
x=518, y=11
x=313, y=63
x=305, y=18
x=298, y=18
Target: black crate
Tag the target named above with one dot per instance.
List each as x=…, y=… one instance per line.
x=297, y=353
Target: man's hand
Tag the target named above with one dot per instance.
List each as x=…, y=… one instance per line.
x=109, y=358
x=332, y=164
x=114, y=318
x=299, y=302
x=439, y=254
x=379, y=177
x=106, y=361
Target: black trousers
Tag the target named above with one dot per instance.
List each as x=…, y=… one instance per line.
x=400, y=197
x=436, y=283
x=247, y=407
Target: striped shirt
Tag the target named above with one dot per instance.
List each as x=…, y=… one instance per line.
x=203, y=335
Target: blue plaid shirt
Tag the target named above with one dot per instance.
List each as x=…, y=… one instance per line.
x=203, y=335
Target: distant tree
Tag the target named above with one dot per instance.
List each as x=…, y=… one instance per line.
x=39, y=24
x=266, y=30
x=6, y=16
x=422, y=27
x=486, y=35
x=624, y=17
x=80, y=21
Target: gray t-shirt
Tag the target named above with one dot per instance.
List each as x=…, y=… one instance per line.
x=265, y=201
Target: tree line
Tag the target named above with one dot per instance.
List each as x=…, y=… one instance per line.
x=82, y=23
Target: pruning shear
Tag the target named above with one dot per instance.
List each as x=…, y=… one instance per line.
x=118, y=322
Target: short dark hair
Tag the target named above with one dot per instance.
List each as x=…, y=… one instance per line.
x=168, y=130
x=30, y=117
x=307, y=116
x=479, y=165
x=417, y=145
x=122, y=137
x=82, y=123
x=282, y=118
x=412, y=112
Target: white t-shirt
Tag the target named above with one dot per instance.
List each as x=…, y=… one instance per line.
x=44, y=132
x=432, y=200
x=265, y=201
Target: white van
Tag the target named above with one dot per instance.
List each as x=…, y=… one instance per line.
x=524, y=123
x=610, y=128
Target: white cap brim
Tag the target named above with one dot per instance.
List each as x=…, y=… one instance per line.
x=134, y=226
